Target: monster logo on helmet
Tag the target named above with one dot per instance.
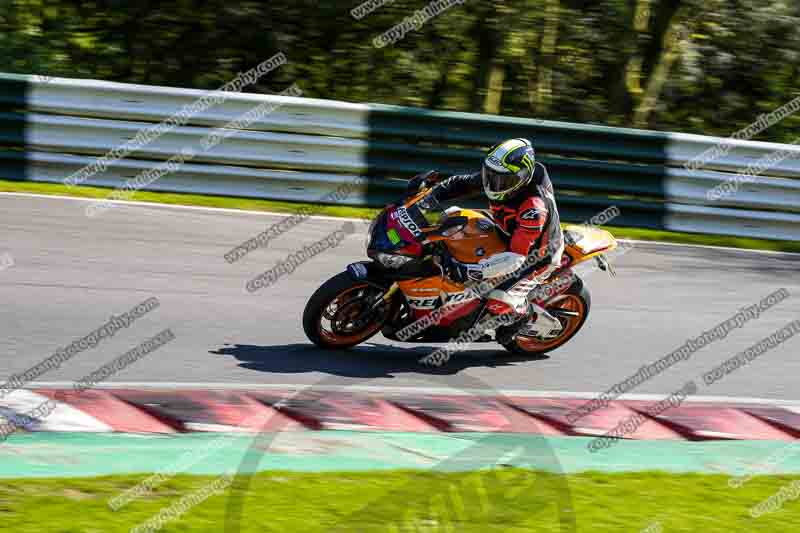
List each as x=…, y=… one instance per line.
x=508, y=168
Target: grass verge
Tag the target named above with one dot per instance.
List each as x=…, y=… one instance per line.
x=508, y=500
x=365, y=212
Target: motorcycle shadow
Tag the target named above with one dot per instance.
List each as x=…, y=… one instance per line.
x=365, y=361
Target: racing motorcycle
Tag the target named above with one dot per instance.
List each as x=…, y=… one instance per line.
x=415, y=250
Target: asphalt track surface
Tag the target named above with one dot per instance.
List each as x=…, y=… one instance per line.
x=72, y=272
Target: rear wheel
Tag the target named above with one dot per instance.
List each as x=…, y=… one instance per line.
x=577, y=302
x=341, y=313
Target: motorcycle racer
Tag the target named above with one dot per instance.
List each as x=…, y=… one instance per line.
x=523, y=205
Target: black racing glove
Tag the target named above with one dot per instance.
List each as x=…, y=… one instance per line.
x=462, y=272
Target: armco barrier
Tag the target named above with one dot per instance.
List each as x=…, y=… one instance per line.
x=307, y=148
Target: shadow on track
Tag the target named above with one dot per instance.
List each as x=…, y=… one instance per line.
x=365, y=361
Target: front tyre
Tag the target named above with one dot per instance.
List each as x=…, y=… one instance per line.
x=576, y=300
x=342, y=313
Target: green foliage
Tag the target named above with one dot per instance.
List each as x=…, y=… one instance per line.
x=737, y=60
x=504, y=501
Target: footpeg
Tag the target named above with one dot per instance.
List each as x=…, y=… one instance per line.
x=566, y=314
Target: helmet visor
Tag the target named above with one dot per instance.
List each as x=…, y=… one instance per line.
x=501, y=182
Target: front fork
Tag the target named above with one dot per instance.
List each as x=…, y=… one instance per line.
x=384, y=299
x=389, y=294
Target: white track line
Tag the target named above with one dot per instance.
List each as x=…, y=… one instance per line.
x=134, y=203
x=710, y=247
x=323, y=217
x=398, y=390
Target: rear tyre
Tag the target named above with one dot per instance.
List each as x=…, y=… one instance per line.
x=576, y=299
x=338, y=315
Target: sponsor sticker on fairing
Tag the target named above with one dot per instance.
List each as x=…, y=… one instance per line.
x=405, y=219
x=460, y=297
x=422, y=303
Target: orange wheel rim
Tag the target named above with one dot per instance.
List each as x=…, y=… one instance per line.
x=343, y=300
x=569, y=302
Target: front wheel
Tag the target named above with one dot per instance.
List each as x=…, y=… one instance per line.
x=343, y=313
x=577, y=302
